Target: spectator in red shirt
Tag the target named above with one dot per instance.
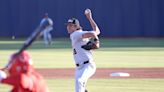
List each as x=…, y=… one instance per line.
x=21, y=74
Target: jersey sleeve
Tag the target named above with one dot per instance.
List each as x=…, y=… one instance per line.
x=76, y=36
x=12, y=80
x=91, y=32
x=42, y=21
x=50, y=21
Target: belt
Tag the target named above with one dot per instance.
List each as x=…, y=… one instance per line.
x=85, y=62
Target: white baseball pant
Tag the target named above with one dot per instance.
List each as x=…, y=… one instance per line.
x=83, y=73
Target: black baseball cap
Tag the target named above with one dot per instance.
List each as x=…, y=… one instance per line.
x=73, y=21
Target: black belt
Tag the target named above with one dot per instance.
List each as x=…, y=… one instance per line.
x=85, y=62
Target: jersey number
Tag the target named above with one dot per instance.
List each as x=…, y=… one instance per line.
x=74, y=51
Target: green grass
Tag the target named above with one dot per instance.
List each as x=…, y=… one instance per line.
x=110, y=85
x=104, y=85
x=113, y=53
x=124, y=53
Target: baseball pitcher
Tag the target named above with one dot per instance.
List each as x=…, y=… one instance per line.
x=82, y=44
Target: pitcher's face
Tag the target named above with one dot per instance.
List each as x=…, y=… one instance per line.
x=71, y=27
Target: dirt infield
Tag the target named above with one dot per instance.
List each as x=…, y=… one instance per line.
x=105, y=72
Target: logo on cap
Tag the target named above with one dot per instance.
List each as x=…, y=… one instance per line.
x=74, y=21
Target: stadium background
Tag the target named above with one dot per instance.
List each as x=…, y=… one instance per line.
x=120, y=21
x=116, y=18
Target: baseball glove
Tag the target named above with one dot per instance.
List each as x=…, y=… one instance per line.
x=92, y=44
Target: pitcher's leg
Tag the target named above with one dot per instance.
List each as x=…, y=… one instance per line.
x=80, y=85
x=82, y=75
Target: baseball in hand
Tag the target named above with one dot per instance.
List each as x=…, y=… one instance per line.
x=87, y=11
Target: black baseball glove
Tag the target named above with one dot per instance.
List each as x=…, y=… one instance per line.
x=92, y=44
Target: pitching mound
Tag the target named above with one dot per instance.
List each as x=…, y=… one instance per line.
x=105, y=73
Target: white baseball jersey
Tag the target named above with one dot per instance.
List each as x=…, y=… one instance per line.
x=80, y=55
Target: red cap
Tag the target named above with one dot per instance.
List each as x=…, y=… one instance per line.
x=20, y=63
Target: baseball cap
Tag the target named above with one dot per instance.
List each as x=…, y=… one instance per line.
x=23, y=58
x=73, y=21
x=20, y=63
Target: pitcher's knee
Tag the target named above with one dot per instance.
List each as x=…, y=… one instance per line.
x=81, y=82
